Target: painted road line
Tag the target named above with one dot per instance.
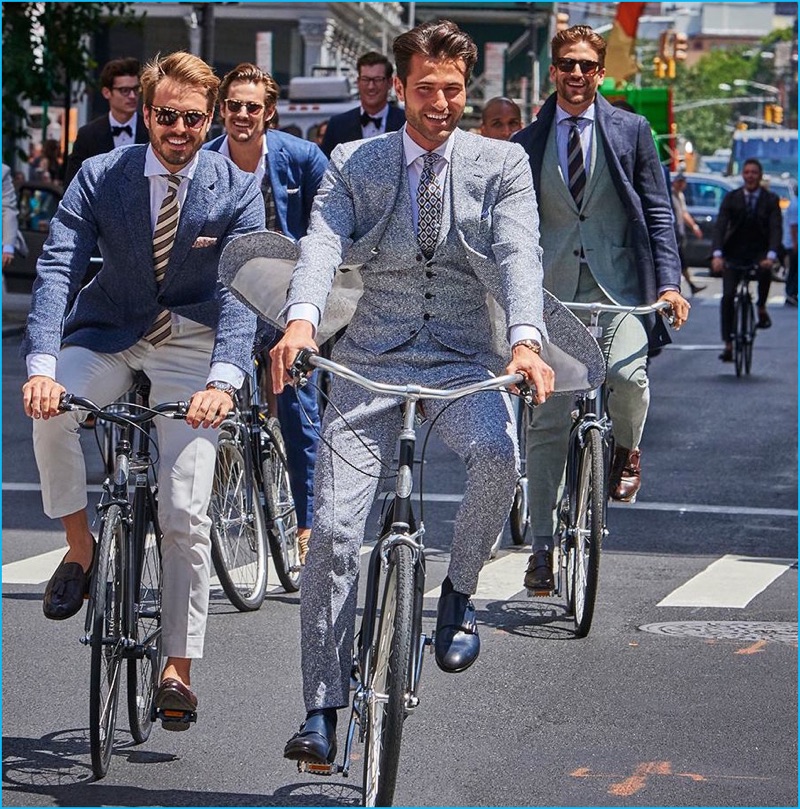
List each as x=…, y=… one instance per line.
x=731, y=581
x=686, y=508
x=500, y=579
x=33, y=570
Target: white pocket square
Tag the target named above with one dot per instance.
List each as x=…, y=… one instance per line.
x=205, y=241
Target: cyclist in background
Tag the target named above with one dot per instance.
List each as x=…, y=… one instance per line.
x=747, y=231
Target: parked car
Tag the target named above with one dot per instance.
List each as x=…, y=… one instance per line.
x=704, y=193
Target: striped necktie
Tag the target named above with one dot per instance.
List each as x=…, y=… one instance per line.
x=429, y=202
x=163, y=240
x=575, y=164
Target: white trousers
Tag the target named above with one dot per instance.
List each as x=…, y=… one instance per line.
x=176, y=370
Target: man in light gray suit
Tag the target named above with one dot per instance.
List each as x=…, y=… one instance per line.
x=607, y=236
x=422, y=318
x=12, y=238
x=160, y=215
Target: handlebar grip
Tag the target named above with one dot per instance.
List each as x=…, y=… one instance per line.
x=302, y=364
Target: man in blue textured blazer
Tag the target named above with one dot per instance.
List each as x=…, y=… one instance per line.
x=437, y=218
x=607, y=235
x=375, y=115
x=289, y=171
x=160, y=215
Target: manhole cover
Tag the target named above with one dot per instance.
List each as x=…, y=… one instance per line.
x=781, y=631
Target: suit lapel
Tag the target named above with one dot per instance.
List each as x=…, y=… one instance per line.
x=134, y=201
x=279, y=178
x=467, y=180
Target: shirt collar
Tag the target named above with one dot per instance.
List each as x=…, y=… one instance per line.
x=153, y=167
x=562, y=114
x=413, y=150
x=131, y=122
x=380, y=114
x=225, y=149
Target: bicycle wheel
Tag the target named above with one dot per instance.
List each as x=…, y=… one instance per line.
x=144, y=672
x=520, y=520
x=584, y=565
x=280, y=509
x=238, y=530
x=106, y=639
x=388, y=681
x=749, y=330
x=740, y=338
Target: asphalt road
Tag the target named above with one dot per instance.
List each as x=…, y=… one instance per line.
x=662, y=705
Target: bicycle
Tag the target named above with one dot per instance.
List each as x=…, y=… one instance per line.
x=251, y=502
x=744, y=318
x=390, y=646
x=123, y=616
x=582, y=508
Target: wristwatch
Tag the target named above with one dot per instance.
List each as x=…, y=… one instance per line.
x=225, y=387
x=533, y=345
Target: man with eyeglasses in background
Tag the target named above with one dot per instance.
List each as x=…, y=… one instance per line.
x=161, y=215
x=289, y=171
x=375, y=116
x=122, y=125
x=608, y=236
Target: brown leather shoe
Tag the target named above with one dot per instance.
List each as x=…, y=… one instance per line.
x=626, y=475
x=175, y=704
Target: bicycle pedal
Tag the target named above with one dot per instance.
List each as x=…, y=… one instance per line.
x=313, y=768
x=176, y=720
x=540, y=593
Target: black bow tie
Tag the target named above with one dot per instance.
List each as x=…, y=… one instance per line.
x=118, y=130
x=365, y=119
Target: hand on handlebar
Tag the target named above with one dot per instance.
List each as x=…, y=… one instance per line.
x=539, y=374
x=299, y=334
x=41, y=396
x=679, y=307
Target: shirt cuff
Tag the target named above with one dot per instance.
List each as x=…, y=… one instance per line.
x=717, y=254
x=668, y=288
x=304, y=311
x=524, y=331
x=8, y=248
x=226, y=372
x=772, y=255
x=41, y=365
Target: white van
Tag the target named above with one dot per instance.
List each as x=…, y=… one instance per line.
x=314, y=99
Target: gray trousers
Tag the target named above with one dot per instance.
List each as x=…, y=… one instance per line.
x=479, y=429
x=624, y=345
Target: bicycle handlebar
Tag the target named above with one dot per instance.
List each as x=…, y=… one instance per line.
x=307, y=360
x=173, y=410
x=658, y=306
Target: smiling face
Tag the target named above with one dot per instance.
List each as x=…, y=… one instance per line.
x=373, y=88
x=501, y=120
x=176, y=145
x=576, y=91
x=434, y=95
x=241, y=126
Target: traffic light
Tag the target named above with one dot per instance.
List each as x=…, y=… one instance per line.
x=681, y=46
x=660, y=67
x=666, y=45
x=562, y=21
x=777, y=114
x=768, y=113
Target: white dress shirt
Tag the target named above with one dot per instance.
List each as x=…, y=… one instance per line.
x=124, y=139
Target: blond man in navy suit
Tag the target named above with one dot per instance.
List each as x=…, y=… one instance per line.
x=422, y=318
x=107, y=335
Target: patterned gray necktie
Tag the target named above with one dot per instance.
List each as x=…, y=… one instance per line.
x=163, y=239
x=270, y=209
x=575, y=164
x=429, y=203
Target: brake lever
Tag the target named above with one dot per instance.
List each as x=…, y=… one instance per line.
x=526, y=393
x=301, y=368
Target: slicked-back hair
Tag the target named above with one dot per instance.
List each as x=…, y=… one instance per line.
x=441, y=39
x=126, y=66
x=574, y=35
x=371, y=58
x=249, y=73
x=181, y=67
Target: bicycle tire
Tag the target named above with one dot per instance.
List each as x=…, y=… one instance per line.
x=106, y=639
x=749, y=330
x=389, y=680
x=144, y=672
x=519, y=521
x=588, y=536
x=238, y=529
x=280, y=509
x=740, y=336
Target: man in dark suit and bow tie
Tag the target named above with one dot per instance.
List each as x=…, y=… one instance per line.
x=119, y=85
x=375, y=115
x=161, y=215
x=289, y=171
x=747, y=231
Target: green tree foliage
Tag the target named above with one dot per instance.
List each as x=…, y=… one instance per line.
x=47, y=46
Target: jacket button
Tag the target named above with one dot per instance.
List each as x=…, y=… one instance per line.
x=582, y=218
x=429, y=274
x=411, y=332
x=428, y=295
x=419, y=256
x=576, y=252
x=426, y=316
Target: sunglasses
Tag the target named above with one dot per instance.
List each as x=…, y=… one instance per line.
x=253, y=107
x=166, y=116
x=128, y=91
x=587, y=66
